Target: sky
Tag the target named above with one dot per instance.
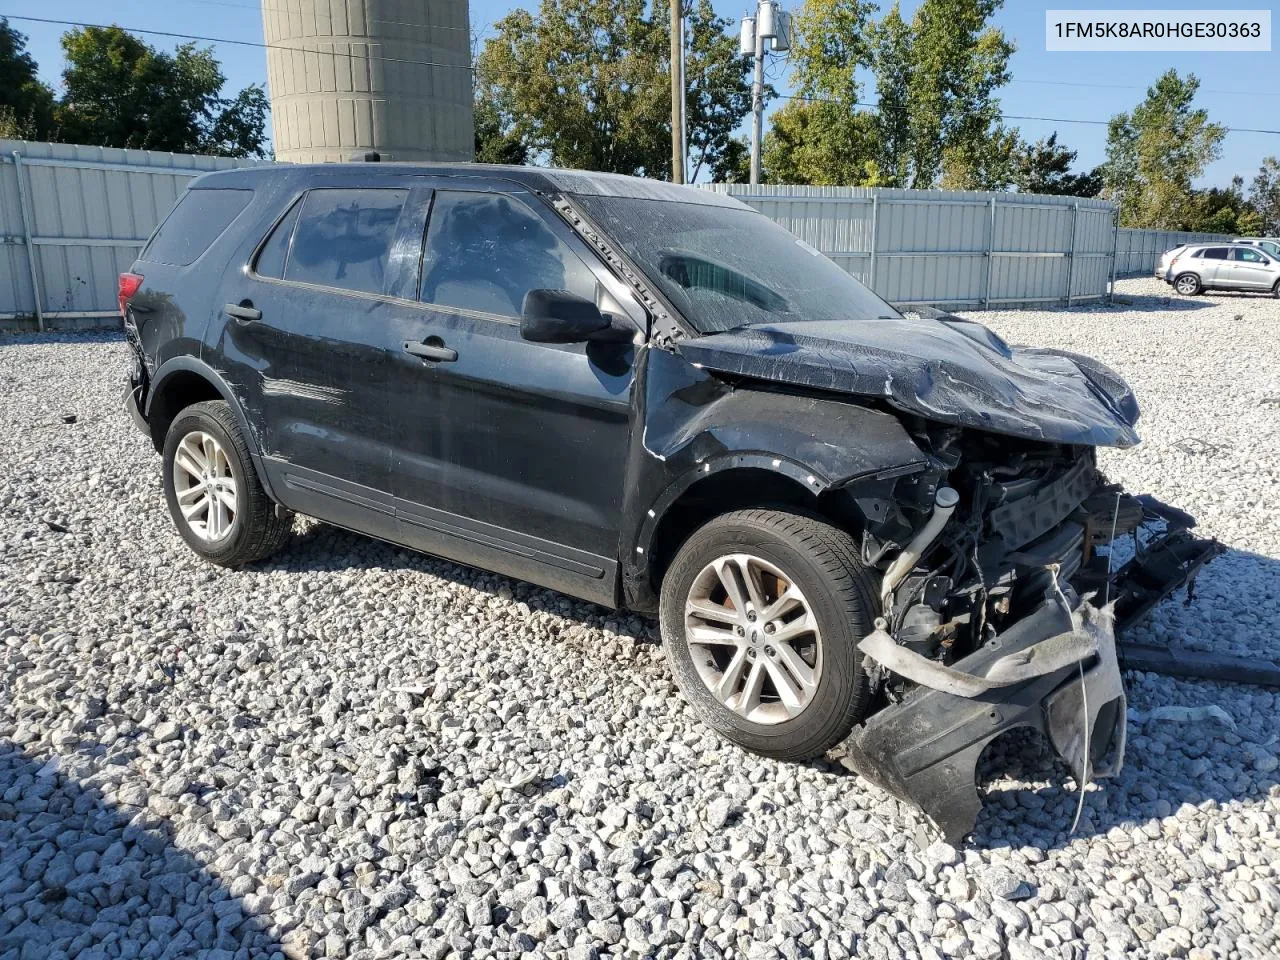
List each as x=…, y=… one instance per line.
x=1238, y=89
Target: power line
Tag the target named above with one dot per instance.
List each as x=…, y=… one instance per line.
x=1004, y=116
x=243, y=43
x=1127, y=86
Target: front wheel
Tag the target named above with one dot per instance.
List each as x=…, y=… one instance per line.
x=214, y=495
x=1187, y=284
x=761, y=614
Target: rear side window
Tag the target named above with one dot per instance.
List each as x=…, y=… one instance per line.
x=1216, y=253
x=485, y=251
x=343, y=238
x=199, y=218
x=271, y=261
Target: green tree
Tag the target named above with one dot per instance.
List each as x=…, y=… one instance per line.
x=1155, y=152
x=823, y=136
x=1222, y=210
x=496, y=138
x=935, y=81
x=585, y=83
x=1045, y=167
x=1264, y=196
x=26, y=104
x=122, y=92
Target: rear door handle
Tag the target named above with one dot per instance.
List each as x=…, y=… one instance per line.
x=245, y=311
x=432, y=348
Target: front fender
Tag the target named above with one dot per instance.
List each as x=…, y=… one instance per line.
x=696, y=426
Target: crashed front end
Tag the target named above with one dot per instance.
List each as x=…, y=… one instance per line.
x=1007, y=568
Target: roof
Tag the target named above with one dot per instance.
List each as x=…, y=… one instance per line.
x=539, y=179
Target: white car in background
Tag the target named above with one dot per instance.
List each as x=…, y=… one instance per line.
x=1196, y=267
x=1269, y=244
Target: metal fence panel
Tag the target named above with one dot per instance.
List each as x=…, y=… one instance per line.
x=964, y=248
x=73, y=217
x=1138, y=250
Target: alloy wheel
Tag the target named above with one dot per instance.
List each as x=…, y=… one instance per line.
x=1187, y=286
x=753, y=638
x=205, y=484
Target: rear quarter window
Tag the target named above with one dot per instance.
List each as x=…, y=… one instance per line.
x=198, y=219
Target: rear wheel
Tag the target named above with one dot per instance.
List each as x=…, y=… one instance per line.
x=761, y=614
x=1187, y=284
x=1275, y=291
x=213, y=492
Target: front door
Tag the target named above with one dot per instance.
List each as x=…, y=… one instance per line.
x=1249, y=269
x=512, y=454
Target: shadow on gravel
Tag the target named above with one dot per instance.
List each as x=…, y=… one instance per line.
x=1169, y=304
x=80, y=878
x=324, y=548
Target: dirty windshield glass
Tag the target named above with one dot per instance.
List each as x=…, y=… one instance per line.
x=726, y=268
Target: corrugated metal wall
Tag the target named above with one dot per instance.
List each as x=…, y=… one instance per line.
x=82, y=213
x=960, y=248
x=1138, y=250
x=73, y=217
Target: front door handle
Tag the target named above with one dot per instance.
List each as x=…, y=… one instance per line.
x=244, y=311
x=432, y=348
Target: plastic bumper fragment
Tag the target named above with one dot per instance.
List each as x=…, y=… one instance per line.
x=926, y=748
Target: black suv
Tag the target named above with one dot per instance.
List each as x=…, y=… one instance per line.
x=864, y=532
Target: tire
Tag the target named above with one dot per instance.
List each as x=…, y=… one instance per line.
x=837, y=591
x=1275, y=291
x=1187, y=284
x=246, y=532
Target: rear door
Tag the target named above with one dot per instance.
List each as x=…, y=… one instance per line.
x=1213, y=263
x=512, y=454
x=311, y=323
x=1249, y=269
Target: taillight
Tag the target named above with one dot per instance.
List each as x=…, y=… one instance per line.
x=125, y=289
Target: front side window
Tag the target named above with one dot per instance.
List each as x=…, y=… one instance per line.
x=343, y=238
x=1248, y=256
x=198, y=219
x=485, y=251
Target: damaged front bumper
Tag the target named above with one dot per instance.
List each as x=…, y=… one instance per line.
x=1056, y=671
x=926, y=748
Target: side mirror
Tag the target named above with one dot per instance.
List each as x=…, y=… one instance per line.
x=558, y=316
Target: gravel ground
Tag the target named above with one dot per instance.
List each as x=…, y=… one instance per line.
x=355, y=751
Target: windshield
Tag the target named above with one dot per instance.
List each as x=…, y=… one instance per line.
x=726, y=268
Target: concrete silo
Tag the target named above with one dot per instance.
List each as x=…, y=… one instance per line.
x=348, y=76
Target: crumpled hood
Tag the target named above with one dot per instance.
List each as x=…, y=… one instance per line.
x=944, y=369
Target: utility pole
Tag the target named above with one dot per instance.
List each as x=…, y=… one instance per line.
x=768, y=30
x=677, y=91
x=757, y=100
